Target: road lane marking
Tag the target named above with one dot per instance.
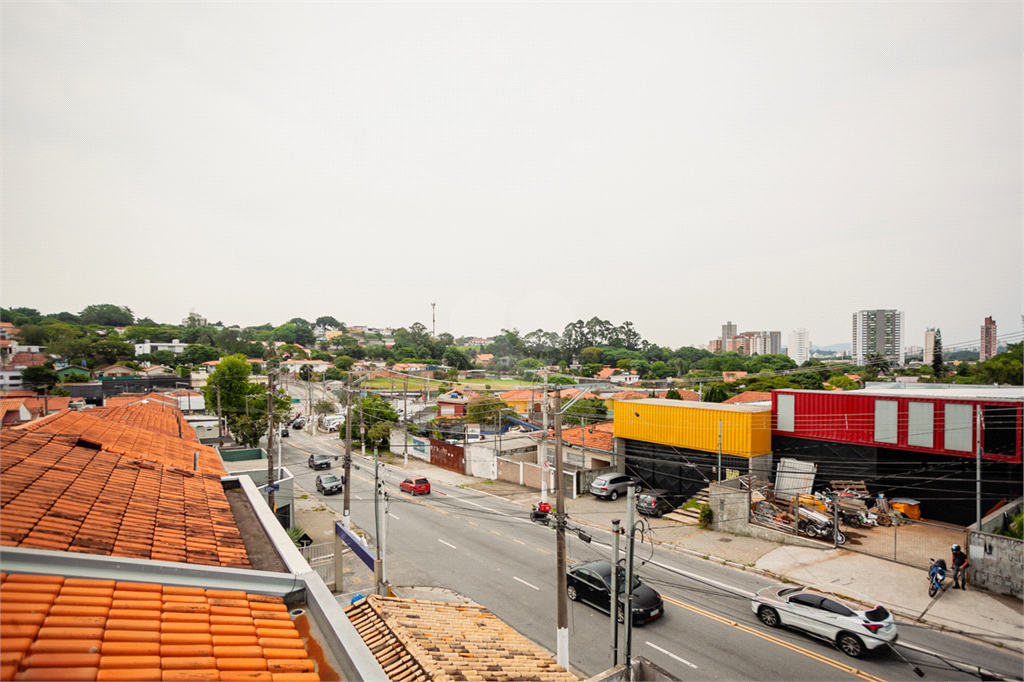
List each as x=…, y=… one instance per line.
x=775, y=640
x=669, y=653
x=519, y=541
x=493, y=511
x=356, y=496
x=394, y=517
x=525, y=583
x=696, y=576
x=472, y=524
x=496, y=532
x=542, y=550
x=447, y=543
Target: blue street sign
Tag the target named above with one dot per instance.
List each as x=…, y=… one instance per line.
x=273, y=488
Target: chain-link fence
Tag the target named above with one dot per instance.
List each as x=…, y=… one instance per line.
x=915, y=543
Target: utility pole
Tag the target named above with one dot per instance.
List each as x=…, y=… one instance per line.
x=362, y=425
x=270, y=440
x=405, y=418
x=613, y=603
x=628, y=615
x=378, y=500
x=719, y=450
x=433, y=321
x=563, y=606
x=977, y=467
x=220, y=415
x=348, y=454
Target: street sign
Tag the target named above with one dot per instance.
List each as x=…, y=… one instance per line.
x=273, y=488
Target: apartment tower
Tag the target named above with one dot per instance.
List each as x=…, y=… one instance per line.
x=878, y=332
x=989, y=346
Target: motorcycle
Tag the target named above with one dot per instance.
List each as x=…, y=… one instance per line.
x=936, y=574
x=816, y=525
x=541, y=513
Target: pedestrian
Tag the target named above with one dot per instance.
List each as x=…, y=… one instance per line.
x=960, y=563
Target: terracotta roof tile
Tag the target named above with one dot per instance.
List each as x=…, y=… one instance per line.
x=56, y=494
x=684, y=394
x=52, y=404
x=49, y=644
x=599, y=436
x=422, y=640
x=522, y=394
x=158, y=417
x=129, y=440
x=630, y=395
x=748, y=397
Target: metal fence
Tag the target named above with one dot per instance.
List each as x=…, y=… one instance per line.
x=321, y=558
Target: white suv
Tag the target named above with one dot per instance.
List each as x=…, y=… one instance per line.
x=613, y=485
x=854, y=622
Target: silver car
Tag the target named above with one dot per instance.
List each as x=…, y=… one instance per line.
x=613, y=485
x=854, y=622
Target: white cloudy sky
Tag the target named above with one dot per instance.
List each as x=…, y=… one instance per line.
x=522, y=164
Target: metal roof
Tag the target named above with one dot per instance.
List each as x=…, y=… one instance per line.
x=689, y=404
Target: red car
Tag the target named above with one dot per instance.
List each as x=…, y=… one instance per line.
x=416, y=486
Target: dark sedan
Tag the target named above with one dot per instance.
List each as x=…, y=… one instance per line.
x=319, y=462
x=591, y=583
x=657, y=502
x=329, y=484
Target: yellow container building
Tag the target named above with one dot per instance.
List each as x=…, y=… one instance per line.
x=746, y=430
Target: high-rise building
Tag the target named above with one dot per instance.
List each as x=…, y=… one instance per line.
x=988, y=340
x=715, y=345
x=733, y=344
x=774, y=343
x=799, y=346
x=878, y=332
x=728, y=331
x=762, y=343
x=929, y=346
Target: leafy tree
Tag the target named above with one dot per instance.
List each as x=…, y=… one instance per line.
x=328, y=321
x=197, y=354
x=561, y=380
x=1004, y=368
x=590, y=370
x=39, y=377
x=324, y=407
x=937, y=365
x=843, y=382
x=20, y=316
x=232, y=378
x=484, y=409
x=107, y=314
x=527, y=364
x=453, y=357
x=767, y=384
x=660, y=370
x=285, y=333
x=306, y=373
x=335, y=374
x=673, y=394
x=373, y=409
x=379, y=432
x=585, y=411
x=206, y=336
x=320, y=355
x=298, y=322
x=591, y=355
x=59, y=391
x=343, y=362
x=33, y=334
x=69, y=349
x=716, y=392
x=304, y=336
x=112, y=351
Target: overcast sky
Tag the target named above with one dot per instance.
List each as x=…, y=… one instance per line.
x=676, y=164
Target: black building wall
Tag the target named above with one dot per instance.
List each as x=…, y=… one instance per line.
x=678, y=470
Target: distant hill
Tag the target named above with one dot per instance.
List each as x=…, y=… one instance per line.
x=835, y=347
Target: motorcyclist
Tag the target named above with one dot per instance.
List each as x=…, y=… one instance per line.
x=960, y=563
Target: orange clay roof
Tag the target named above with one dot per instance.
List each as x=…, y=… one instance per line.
x=57, y=495
x=522, y=394
x=10, y=404
x=572, y=393
x=146, y=631
x=154, y=417
x=684, y=394
x=597, y=436
x=129, y=398
x=630, y=395
x=417, y=640
x=129, y=440
x=748, y=397
x=52, y=403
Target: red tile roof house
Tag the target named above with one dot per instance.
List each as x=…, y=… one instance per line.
x=453, y=403
x=122, y=560
x=14, y=410
x=749, y=397
x=588, y=447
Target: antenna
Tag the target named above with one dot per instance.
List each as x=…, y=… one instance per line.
x=433, y=321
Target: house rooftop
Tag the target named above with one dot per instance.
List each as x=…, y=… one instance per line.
x=417, y=640
x=599, y=436
x=687, y=404
x=947, y=391
x=749, y=397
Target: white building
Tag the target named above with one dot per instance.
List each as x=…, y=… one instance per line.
x=929, y=347
x=799, y=347
x=147, y=347
x=879, y=332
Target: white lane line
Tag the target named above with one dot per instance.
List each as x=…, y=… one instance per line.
x=447, y=543
x=525, y=583
x=669, y=653
x=356, y=496
x=396, y=518
x=493, y=511
x=696, y=576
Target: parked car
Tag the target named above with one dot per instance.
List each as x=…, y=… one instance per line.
x=284, y=433
x=856, y=623
x=590, y=583
x=415, y=486
x=657, y=502
x=319, y=462
x=613, y=485
x=298, y=424
x=329, y=484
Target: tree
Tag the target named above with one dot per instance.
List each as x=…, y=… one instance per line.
x=590, y=370
x=232, y=378
x=335, y=374
x=591, y=355
x=298, y=322
x=112, y=351
x=660, y=370
x=107, y=315
x=39, y=377
x=320, y=355
x=304, y=336
x=324, y=407
x=585, y=411
x=293, y=351
x=373, y=409
x=453, y=357
x=285, y=333
x=937, y=365
x=1004, y=368
x=69, y=349
x=843, y=382
x=197, y=354
x=328, y=321
x=306, y=373
x=206, y=336
x=484, y=409
x=673, y=394
x=767, y=384
x=716, y=393
x=33, y=334
x=379, y=432
x=344, y=362
x=561, y=380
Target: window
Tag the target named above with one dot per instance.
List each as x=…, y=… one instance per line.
x=809, y=600
x=921, y=424
x=835, y=607
x=886, y=412
x=958, y=429
x=785, y=409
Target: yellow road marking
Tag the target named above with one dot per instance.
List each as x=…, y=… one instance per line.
x=542, y=550
x=775, y=640
x=496, y=532
x=520, y=542
x=472, y=524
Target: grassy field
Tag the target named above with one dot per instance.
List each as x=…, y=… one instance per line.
x=475, y=385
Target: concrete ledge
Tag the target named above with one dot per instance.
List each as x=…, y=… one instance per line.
x=293, y=560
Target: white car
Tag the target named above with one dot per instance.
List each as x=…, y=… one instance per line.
x=853, y=621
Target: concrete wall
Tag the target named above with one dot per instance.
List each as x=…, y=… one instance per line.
x=997, y=563
x=730, y=508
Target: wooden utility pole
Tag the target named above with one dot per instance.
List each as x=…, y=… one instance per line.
x=563, y=605
x=270, y=440
x=348, y=454
x=220, y=416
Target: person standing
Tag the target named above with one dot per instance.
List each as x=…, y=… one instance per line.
x=960, y=563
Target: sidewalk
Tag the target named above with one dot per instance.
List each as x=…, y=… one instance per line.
x=902, y=589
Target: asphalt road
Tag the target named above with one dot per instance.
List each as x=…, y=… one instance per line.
x=489, y=551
